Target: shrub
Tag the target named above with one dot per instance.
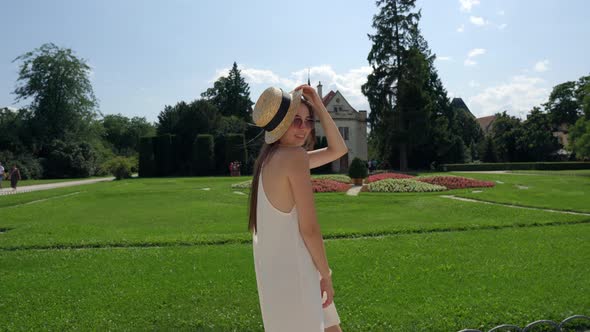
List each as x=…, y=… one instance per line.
x=382, y=176
x=403, y=186
x=358, y=169
x=204, y=155
x=455, y=182
x=147, y=161
x=27, y=164
x=69, y=160
x=120, y=167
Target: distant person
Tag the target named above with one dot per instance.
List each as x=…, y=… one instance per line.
x=14, y=177
x=292, y=270
x=1, y=174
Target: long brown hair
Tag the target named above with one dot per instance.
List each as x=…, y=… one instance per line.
x=266, y=152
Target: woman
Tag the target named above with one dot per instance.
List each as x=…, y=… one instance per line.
x=292, y=273
x=14, y=177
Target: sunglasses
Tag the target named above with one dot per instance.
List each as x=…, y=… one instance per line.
x=309, y=123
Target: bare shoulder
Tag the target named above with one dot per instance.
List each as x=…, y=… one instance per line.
x=293, y=157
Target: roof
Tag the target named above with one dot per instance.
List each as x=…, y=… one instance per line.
x=327, y=98
x=486, y=122
x=459, y=103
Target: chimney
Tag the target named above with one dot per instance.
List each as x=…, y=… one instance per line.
x=320, y=90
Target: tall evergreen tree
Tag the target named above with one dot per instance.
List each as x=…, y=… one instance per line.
x=231, y=95
x=395, y=24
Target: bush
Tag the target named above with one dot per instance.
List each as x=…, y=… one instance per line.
x=120, y=167
x=403, y=186
x=28, y=165
x=204, y=155
x=358, y=169
x=69, y=160
x=147, y=161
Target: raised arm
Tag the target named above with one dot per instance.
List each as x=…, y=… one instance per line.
x=336, y=146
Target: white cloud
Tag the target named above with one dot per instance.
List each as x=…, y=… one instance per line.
x=473, y=84
x=476, y=52
x=469, y=62
x=541, y=66
x=348, y=83
x=461, y=28
x=444, y=58
x=517, y=97
x=477, y=20
x=467, y=5
x=473, y=53
x=502, y=26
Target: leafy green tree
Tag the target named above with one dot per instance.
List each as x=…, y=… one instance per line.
x=506, y=132
x=537, y=142
x=231, y=95
x=62, y=99
x=579, y=139
x=123, y=133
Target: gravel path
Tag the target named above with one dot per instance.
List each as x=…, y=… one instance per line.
x=47, y=186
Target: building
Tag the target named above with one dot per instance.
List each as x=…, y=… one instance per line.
x=352, y=125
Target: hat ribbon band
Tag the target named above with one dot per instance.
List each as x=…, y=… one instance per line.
x=281, y=113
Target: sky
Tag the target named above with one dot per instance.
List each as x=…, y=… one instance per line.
x=144, y=54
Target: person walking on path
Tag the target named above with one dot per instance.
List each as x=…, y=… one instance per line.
x=293, y=277
x=14, y=177
x=1, y=174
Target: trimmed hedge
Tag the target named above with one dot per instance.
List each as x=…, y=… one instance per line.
x=163, y=154
x=204, y=155
x=567, y=165
x=147, y=161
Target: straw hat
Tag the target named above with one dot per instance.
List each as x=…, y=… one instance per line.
x=274, y=112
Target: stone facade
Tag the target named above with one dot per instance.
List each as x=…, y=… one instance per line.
x=352, y=125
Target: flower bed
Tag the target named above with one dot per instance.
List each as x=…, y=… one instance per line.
x=455, y=182
x=389, y=175
x=325, y=185
x=335, y=177
x=402, y=186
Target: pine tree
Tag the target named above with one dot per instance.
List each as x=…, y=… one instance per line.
x=231, y=95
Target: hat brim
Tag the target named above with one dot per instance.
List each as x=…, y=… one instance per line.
x=277, y=133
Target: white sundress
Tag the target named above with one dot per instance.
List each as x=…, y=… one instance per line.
x=287, y=279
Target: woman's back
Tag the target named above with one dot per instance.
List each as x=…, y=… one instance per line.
x=287, y=278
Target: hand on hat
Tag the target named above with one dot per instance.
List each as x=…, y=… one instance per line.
x=310, y=95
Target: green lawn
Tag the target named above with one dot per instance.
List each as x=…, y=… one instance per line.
x=163, y=254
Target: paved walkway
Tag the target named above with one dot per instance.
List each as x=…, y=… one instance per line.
x=47, y=186
x=354, y=190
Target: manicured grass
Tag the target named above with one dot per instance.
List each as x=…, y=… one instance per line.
x=416, y=282
x=163, y=254
x=554, y=192
x=176, y=211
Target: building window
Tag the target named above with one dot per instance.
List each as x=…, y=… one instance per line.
x=344, y=132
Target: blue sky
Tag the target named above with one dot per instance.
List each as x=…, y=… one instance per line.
x=496, y=55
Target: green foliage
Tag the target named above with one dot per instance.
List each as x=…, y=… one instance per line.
x=321, y=142
x=63, y=101
x=235, y=149
x=231, y=95
x=120, y=167
x=147, y=160
x=164, y=154
x=403, y=186
x=123, y=133
x=579, y=139
x=358, y=169
x=204, y=156
x=69, y=160
x=28, y=165
x=489, y=153
x=336, y=177
x=536, y=141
